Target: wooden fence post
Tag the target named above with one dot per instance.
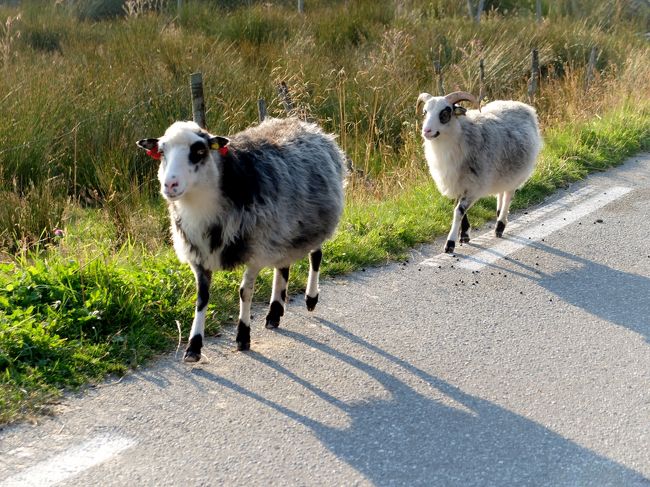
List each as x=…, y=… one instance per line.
x=479, y=10
x=261, y=109
x=179, y=6
x=591, y=67
x=301, y=6
x=481, y=80
x=283, y=91
x=538, y=11
x=438, y=70
x=534, y=75
x=469, y=9
x=198, y=104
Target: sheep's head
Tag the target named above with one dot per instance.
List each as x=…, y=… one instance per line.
x=440, y=112
x=185, y=153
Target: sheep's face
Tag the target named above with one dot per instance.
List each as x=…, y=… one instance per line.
x=185, y=158
x=440, y=116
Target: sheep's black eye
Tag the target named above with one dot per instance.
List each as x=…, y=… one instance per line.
x=445, y=115
x=198, y=151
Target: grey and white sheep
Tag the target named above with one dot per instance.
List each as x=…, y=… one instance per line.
x=475, y=153
x=268, y=196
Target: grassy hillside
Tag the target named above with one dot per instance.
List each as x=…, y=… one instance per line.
x=90, y=286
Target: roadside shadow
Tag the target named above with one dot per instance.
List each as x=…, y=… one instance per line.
x=619, y=297
x=616, y=296
x=413, y=439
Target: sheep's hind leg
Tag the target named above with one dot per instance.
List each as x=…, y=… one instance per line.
x=311, y=294
x=502, y=219
x=203, y=280
x=463, y=205
x=245, y=297
x=278, y=297
x=464, y=230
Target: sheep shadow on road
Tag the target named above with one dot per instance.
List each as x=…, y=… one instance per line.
x=622, y=298
x=410, y=438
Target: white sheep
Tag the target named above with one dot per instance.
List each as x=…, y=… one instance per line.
x=475, y=153
x=264, y=198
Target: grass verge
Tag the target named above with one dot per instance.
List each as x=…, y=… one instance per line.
x=67, y=322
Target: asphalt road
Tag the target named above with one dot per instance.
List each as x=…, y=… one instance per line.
x=523, y=361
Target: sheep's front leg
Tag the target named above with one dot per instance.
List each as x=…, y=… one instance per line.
x=203, y=278
x=278, y=297
x=463, y=205
x=464, y=229
x=499, y=203
x=311, y=294
x=502, y=218
x=245, y=298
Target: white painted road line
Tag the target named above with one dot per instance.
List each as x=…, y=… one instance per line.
x=520, y=234
x=70, y=463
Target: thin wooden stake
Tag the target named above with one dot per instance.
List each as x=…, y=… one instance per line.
x=591, y=67
x=469, y=9
x=538, y=11
x=261, y=109
x=438, y=70
x=481, y=80
x=283, y=91
x=534, y=75
x=437, y=66
x=479, y=11
x=198, y=104
x=301, y=6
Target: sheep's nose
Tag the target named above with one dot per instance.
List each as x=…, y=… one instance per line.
x=171, y=186
x=427, y=131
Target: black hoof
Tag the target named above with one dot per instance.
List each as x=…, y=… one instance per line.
x=243, y=337
x=498, y=231
x=191, y=357
x=311, y=302
x=464, y=238
x=272, y=323
x=273, y=317
x=193, y=350
x=450, y=246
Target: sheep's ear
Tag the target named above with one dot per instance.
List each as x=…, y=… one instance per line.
x=147, y=144
x=458, y=110
x=217, y=142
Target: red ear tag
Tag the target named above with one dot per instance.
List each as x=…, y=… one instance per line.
x=154, y=154
x=223, y=150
